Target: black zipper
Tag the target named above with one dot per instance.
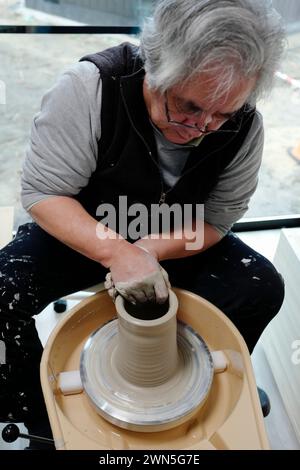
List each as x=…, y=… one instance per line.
x=162, y=199
x=164, y=192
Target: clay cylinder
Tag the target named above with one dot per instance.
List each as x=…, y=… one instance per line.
x=147, y=353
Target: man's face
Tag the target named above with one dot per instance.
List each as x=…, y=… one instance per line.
x=196, y=105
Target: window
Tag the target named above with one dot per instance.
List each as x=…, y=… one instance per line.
x=31, y=63
x=66, y=12
x=278, y=192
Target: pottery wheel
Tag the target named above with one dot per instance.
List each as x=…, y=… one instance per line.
x=146, y=409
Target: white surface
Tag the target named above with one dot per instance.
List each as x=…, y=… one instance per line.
x=279, y=429
x=263, y=241
x=281, y=339
x=48, y=318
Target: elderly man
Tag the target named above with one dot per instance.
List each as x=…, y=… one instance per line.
x=170, y=122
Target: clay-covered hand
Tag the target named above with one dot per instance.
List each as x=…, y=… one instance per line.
x=137, y=276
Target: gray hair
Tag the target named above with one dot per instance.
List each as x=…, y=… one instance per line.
x=239, y=38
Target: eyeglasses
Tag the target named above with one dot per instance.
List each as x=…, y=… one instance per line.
x=232, y=124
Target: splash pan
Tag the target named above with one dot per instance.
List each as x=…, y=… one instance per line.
x=146, y=409
x=230, y=417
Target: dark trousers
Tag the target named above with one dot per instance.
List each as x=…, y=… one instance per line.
x=36, y=269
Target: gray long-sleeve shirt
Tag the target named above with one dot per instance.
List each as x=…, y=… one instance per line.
x=63, y=151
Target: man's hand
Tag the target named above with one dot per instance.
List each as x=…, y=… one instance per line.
x=137, y=276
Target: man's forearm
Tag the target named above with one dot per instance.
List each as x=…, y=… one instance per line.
x=65, y=219
x=182, y=246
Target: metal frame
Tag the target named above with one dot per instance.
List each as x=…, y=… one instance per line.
x=267, y=223
x=247, y=224
x=36, y=29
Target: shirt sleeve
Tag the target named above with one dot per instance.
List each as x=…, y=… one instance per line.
x=63, y=147
x=229, y=199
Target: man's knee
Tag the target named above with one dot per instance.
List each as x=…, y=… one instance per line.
x=280, y=291
x=272, y=290
x=262, y=292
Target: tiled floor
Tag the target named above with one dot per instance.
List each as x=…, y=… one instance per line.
x=279, y=429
